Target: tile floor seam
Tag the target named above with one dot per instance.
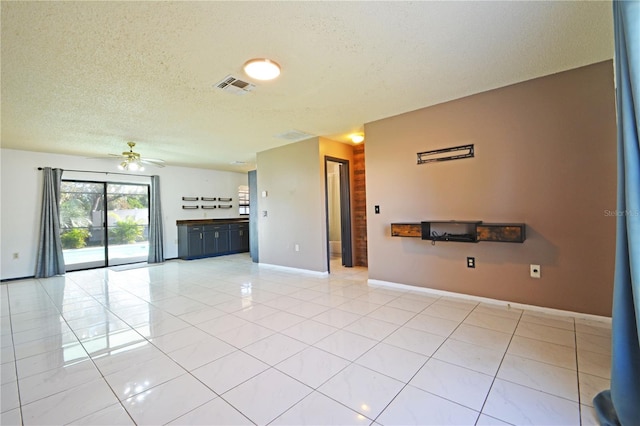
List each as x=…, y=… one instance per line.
x=102, y=376
x=495, y=376
x=341, y=403
x=100, y=372
x=417, y=371
x=15, y=361
x=581, y=405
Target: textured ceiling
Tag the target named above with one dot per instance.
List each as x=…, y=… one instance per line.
x=85, y=77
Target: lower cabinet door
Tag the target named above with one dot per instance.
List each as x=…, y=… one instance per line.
x=239, y=238
x=195, y=242
x=209, y=242
x=222, y=240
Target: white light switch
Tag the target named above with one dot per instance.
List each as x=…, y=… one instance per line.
x=264, y=194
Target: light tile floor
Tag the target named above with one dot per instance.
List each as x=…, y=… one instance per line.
x=225, y=341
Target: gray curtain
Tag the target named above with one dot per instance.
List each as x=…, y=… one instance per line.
x=621, y=404
x=156, y=233
x=50, y=260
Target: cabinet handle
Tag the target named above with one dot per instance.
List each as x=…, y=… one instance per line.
x=201, y=235
x=216, y=234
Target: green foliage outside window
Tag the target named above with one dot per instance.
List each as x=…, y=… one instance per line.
x=74, y=238
x=125, y=231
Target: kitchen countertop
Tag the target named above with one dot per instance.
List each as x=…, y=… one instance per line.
x=212, y=221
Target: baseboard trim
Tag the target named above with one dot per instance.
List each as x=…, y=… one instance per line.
x=8, y=280
x=296, y=270
x=505, y=303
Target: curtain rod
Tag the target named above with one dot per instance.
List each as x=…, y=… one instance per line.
x=104, y=173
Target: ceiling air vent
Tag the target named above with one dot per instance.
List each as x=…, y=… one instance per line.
x=234, y=85
x=294, y=135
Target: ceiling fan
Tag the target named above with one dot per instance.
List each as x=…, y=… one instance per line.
x=132, y=161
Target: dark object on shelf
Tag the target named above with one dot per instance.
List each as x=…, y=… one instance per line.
x=190, y=207
x=189, y=198
x=224, y=199
x=453, y=230
x=446, y=154
x=224, y=206
x=461, y=231
x=208, y=198
x=208, y=207
x=207, y=238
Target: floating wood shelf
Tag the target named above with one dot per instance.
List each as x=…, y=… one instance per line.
x=464, y=231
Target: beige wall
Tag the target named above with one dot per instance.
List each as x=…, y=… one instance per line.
x=293, y=176
x=545, y=156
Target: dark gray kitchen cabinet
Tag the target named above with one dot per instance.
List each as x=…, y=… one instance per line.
x=239, y=237
x=200, y=238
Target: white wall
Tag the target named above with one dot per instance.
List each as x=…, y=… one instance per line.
x=21, y=194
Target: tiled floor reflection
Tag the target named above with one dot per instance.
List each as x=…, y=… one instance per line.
x=224, y=341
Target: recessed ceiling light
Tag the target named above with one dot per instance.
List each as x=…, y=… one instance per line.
x=262, y=69
x=357, y=138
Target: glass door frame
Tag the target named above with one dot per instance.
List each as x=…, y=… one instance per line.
x=105, y=261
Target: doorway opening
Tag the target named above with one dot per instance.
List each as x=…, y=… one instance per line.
x=338, y=208
x=103, y=224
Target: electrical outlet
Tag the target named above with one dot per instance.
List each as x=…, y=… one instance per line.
x=16, y=255
x=471, y=262
x=297, y=247
x=534, y=270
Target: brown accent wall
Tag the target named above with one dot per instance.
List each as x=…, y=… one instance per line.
x=359, y=195
x=545, y=155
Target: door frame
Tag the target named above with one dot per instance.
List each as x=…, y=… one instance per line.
x=345, y=211
x=105, y=228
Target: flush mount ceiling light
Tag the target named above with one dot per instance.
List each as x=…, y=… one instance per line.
x=357, y=138
x=262, y=69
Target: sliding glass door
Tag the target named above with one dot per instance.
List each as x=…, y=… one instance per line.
x=127, y=223
x=82, y=224
x=103, y=224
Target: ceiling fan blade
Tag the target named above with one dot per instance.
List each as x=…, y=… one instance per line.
x=102, y=157
x=157, y=163
x=131, y=156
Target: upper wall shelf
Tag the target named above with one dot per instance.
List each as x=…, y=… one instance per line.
x=461, y=231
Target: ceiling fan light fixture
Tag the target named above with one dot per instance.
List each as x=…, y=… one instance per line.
x=262, y=69
x=131, y=164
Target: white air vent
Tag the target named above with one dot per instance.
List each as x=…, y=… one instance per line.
x=294, y=135
x=233, y=84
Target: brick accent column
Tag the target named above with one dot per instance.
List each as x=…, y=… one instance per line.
x=359, y=207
